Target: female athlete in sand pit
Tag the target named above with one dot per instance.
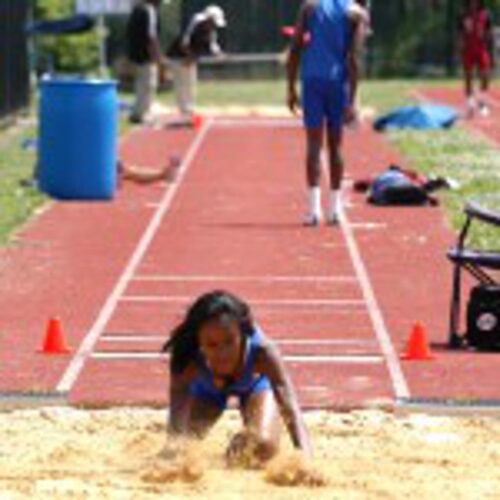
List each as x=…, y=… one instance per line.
x=216, y=352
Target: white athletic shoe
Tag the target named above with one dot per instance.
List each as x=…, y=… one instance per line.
x=484, y=110
x=470, y=107
x=313, y=219
x=333, y=219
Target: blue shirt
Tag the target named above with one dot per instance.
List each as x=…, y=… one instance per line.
x=325, y=56
x=248, y=382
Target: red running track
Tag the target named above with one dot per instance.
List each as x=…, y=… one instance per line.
x=339, y=301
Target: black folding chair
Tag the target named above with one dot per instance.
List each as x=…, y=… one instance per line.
x=478, y=263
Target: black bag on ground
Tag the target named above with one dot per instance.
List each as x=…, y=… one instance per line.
x=483, y=318
x=395, y=187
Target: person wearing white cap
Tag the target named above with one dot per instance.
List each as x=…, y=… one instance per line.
x=198, y=39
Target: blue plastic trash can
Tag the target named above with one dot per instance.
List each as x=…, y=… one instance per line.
x=78, y=138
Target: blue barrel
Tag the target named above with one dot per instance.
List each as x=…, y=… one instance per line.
x=78, y=138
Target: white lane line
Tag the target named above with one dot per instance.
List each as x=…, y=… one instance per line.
x=281, y=341
x=258, y=122
x=369, y=226
x=264, y=279
x=396, y=373
x=133, y=338
x=279, y=302
x=299, y=358
x=78, y=361
x=324, y=342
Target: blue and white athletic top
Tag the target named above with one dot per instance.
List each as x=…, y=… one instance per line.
x=248, y=383
x=325, y=55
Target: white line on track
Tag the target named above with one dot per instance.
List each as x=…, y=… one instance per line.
x=264, y=279
x=368, y=226
x=398, y=380
x=86, y=347
x=255, y=302
x=258, y=122
x=132, y=338
x=280, y=341
x=338, y=359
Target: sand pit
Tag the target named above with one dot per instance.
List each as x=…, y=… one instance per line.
x=61, y=453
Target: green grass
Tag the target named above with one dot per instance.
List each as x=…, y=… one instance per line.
x=456, y=153
x=226, y=93
x=17, y=203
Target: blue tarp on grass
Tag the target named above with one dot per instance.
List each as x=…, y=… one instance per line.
x=422, y=116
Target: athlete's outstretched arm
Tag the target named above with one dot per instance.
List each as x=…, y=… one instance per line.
x=271, y=364
x=293, y=62
x=179, y=405
x=358, y=20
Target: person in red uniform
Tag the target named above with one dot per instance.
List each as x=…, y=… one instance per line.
x=476, y=42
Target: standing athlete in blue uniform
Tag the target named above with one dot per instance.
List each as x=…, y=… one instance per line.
x=329, y=85
x=218, y=352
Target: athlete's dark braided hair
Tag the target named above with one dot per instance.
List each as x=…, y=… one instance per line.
x=183, y=342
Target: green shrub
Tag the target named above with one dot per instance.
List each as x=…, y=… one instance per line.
x=68, y=53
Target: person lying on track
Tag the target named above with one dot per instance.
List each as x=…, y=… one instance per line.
x=147, y=175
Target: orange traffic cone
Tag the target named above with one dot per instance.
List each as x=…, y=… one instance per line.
x=54, y=342
x=418, y=347
x=197, y=121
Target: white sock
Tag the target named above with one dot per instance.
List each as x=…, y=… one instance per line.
x=315, y=200
x=335, y=202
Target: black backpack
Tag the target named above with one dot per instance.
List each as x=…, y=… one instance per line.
x=394, y=187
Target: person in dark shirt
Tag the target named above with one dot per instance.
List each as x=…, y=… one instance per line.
x=143, y=50
x=198, y=39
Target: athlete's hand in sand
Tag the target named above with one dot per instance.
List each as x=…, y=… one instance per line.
x=237, y=448
x=170, y=451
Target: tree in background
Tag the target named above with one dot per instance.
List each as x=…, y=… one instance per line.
x=67, y=53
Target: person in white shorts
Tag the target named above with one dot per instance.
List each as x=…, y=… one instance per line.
x=198, y=39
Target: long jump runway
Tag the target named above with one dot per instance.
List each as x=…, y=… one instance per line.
x=339, y=301
x=232, y=222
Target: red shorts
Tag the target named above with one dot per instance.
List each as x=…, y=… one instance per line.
x=476, y=57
